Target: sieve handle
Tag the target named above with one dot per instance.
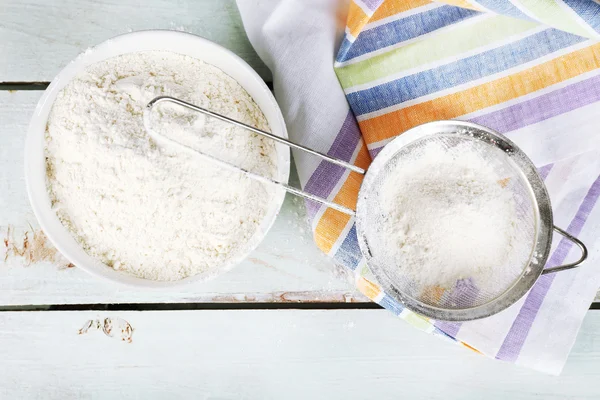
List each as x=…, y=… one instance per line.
x=224, y=164
x=269, y=135
x=579, y=243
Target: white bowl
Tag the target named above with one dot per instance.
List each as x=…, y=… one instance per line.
x=177, y=42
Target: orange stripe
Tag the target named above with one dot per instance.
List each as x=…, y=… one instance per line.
x=470, y=347
x=368, y=288
x=332, y=222
x=461, y=3
x=482, y=96
x=434, y=293
x=349, y=192
x=356, y=19
x=392, y=7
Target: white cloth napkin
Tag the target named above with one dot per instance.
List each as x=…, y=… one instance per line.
x=298, y=40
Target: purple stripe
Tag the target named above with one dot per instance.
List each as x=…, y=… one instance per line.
x=464, y=293
x=545, y=171
x=327, y=175
x=521, y=326
x=542, y=107
x=449, y=328
x=375, y=151
x=372, y=4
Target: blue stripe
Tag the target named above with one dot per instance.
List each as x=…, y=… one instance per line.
x=390, y=304
x=504, y=7
x=462, y=71
x=588, y=10
x=403, y=29
x=440, y=332
x=344, y=49
x=349, y=253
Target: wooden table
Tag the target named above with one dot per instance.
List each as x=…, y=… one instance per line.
x=284, y=324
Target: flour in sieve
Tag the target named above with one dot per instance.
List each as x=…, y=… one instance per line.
x=146, y=209
x=449, y=216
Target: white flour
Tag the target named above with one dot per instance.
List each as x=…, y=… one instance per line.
x=448, y=216
x=147, y=209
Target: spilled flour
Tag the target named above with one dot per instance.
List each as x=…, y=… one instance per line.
x=151, y=210
x=450, y=216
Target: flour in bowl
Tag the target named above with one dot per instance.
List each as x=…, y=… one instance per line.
x=450, y=216
x=150, y=210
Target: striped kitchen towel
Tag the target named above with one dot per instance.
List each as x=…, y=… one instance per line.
x=350, y=77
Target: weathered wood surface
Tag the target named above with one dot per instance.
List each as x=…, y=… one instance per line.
x=39, y=37
x=277, y=354
x=209, y=354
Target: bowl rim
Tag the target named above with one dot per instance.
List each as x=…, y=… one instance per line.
x=147, y=39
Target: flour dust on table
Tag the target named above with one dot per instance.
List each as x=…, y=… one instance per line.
x=149, y=210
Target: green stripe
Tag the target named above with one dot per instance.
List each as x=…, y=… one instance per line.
x=432, y=48
x=551, y=13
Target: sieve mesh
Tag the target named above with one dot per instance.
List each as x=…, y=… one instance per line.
x=485, y=283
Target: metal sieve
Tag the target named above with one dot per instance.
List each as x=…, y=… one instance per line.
x=467, y=299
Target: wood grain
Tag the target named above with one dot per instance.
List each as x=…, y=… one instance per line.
x=291, y=354
x=39, y=37
x=287, y=267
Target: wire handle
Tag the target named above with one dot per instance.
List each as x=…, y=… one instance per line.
x=285, y=186
x=579, y=243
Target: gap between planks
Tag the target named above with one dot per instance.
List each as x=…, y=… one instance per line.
x=202, y=306
x=14, y=86
x=192, y=306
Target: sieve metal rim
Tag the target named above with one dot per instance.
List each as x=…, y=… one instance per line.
x=542, y=208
